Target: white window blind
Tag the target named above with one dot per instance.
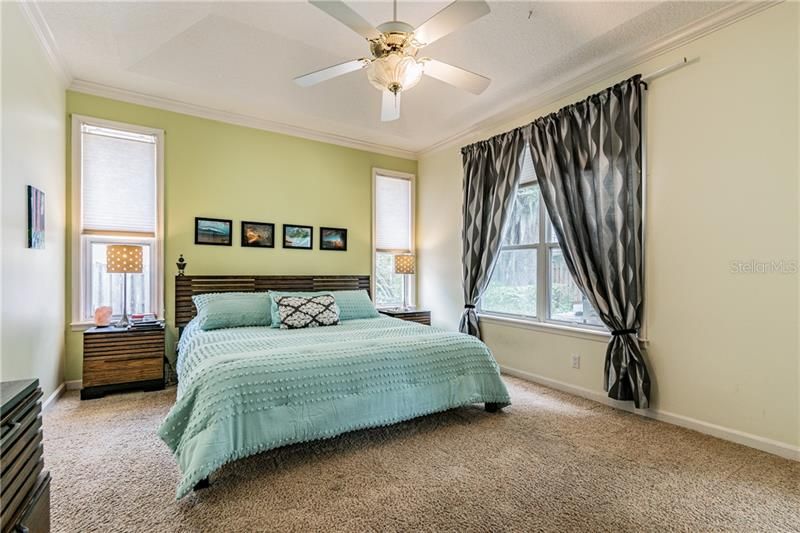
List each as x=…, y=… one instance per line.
x=527, y=173
x=118, y=187
x=392, y=213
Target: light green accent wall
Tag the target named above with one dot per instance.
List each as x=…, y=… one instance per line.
x=220, y=170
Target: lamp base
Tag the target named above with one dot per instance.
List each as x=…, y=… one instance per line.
x=123, y=321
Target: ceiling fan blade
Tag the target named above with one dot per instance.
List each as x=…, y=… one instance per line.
x=312, y=78
x=390, y=106
x=463, y=79
x=344, y=14
x=449, y=19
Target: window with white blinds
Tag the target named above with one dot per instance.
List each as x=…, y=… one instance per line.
x=118, y=186
x=392, y=213
x=117, y=179
x=393, y=219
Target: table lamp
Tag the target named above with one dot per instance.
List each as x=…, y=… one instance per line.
x=405, y=264
x=124, y=259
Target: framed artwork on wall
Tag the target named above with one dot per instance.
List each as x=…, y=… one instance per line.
x=258, y=234
x=333, y=239
x=214, y=231
x=35, y=218
x=298, y=237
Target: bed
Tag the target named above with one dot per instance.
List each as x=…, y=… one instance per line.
x=245, y=390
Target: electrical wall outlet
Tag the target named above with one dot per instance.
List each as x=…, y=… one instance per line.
x=576, y=361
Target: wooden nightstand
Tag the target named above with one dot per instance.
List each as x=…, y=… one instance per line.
x=118, y=359
x=412, y=315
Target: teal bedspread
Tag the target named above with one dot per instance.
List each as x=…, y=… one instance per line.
x=245, y=390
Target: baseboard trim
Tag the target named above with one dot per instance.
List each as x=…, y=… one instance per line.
x=75, y=384
x=781, y=449
x=48, y=403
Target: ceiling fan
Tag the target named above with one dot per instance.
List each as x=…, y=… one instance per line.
x=394, y=66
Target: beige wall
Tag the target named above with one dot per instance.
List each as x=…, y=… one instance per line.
x=33, y=136
x=722, y=163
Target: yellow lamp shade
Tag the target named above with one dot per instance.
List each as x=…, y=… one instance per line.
x=123, y=259
x=405, y=264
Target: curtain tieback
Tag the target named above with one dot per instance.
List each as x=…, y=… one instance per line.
x=617, y=332
x=469, y=306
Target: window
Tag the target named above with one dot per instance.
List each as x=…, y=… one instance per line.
x=531, y=280
x=393, y=233
x=117, y=189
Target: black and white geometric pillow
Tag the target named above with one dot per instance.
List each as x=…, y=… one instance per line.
x=307, y=312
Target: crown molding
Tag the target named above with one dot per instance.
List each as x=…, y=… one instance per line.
x=185, y=108
x=47, y=41
x=523, y=106
x=624, y=61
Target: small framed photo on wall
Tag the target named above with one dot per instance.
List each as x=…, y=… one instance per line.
x=35, y=218
x=214, y=231
x=333, y=239
x=298, y=237
x=258, y=234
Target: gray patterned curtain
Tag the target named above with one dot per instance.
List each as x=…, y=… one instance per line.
x=588, y=160
x=491, y=175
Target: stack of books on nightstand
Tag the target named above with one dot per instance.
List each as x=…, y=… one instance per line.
x=145, y=322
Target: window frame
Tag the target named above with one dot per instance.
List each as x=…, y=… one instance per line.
x=409, y=281
x=80, y=242
x=538, y=247
x=544, y=252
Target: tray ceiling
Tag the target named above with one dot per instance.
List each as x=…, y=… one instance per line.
x=241, y=57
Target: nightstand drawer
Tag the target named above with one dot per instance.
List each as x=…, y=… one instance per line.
x=151, y=349
x=121, y=369
x=410, y=315
x=100, y=345
x=420, y=318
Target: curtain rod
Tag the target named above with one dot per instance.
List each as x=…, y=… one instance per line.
x=666, y=70
x=646, y=79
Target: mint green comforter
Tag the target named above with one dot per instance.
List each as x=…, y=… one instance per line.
x=245, y=390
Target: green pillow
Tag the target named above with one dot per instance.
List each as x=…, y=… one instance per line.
x=275, y=316
x=355, y=304
x=232, y=309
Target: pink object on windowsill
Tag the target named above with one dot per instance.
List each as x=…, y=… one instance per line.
x=102, y=316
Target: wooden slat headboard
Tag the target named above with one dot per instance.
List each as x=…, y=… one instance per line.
x=188, y=286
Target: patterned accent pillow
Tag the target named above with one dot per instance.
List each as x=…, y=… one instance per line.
x=273, y=306
x=307, y=312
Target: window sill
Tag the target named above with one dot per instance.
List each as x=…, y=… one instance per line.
x=86, y=324
x=546, y=327
x=596, y=335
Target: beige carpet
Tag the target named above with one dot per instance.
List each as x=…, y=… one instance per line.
x=550, y=462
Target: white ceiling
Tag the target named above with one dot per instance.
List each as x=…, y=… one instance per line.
x=241, y=57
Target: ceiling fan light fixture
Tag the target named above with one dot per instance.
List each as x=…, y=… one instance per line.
x=394, y=67
x=395, y=72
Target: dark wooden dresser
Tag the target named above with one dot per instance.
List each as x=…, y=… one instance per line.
x=117, y=359
x=25, y=484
